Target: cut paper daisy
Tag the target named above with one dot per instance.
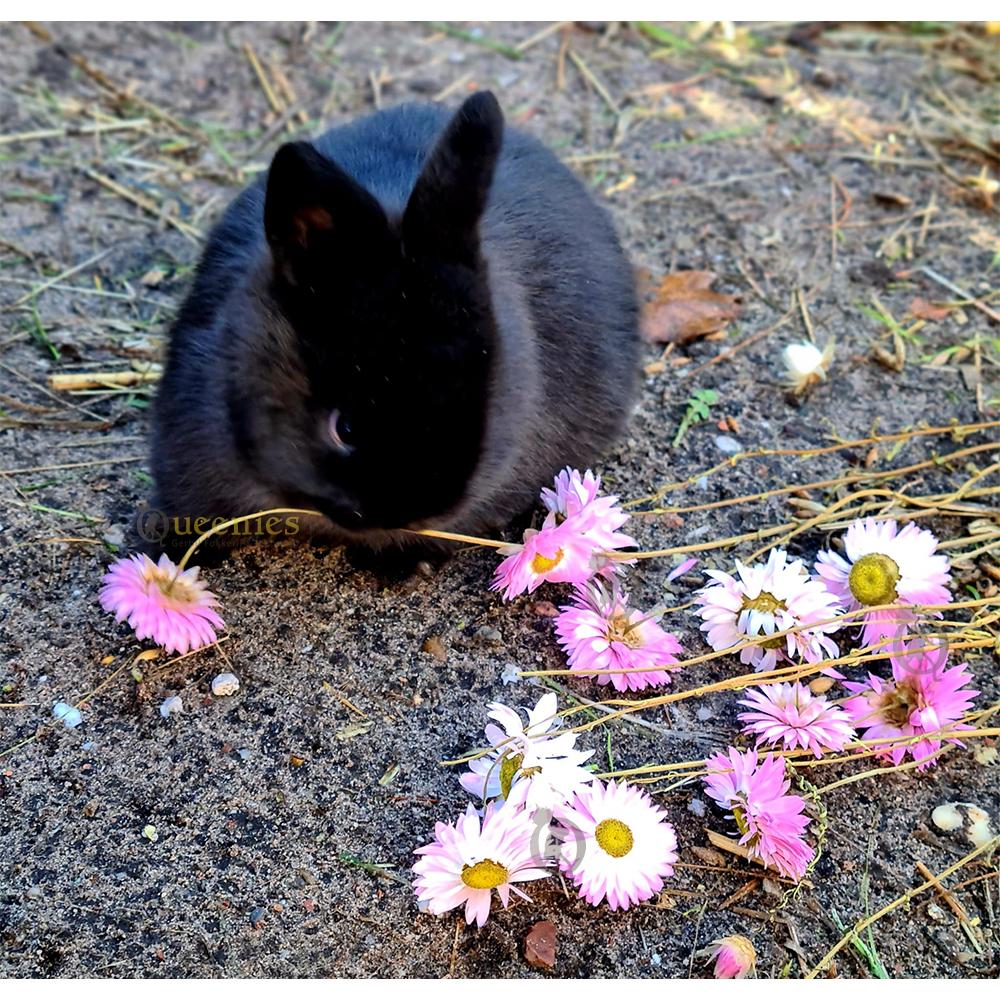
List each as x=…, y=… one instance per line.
x=766, y=598
x=470, y=858
x=886, y=564
x=791, y=716
x=616, y=844
x=600, y=632
x=161, y=602
x=535, y=754
x=924, y=696
x=806, y=365
x=770, y=820
x=556, y=554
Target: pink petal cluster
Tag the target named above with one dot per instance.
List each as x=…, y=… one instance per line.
x=600, y=632
x=792, y=716
x=173, y=608
x=470, y=858
x=579, y=527
x=886, y=564
x=616, y=844
x=766, y=598
x=769, y=819
x=923, y=697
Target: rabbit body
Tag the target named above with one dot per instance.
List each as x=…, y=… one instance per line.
x=412, y=322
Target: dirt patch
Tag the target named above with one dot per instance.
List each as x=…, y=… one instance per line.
x=829, y=184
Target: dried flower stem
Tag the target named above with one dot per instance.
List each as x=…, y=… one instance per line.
x=896, y=903
x=232, y=522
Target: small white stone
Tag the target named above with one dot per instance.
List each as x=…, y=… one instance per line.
x=225, y=684
x=947, y=817
x=697, y=806
x=703, y=714
x=728, y=445
x=69, y=716
x=510, y=673
x=172, y=706
x=979, y=831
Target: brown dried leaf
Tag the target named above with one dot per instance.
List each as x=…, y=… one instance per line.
x=922, y=309
x=684, y=308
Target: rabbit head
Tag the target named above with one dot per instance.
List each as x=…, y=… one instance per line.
x=359, y=379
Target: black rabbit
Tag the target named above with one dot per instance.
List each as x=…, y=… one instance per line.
x=414, y=323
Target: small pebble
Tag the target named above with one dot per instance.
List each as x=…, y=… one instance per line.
x=947, y=817
x=489, y=634
x=224, y=684
x=697, y=806
x=149, y=832
x=540, y=945
x=703, y=714
x=244, y=754
x=69, y=716
x=257, y=917
x=728, y=445
x=510, y=673
x=172, y=706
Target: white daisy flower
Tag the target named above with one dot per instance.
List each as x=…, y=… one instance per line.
x=535, y=753
x=616, y=844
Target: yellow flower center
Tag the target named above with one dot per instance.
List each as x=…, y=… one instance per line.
x=768, y=604
x=171, y=585
x=614, y=837
x=895, y=706
x=620, y=629
x=508, y=771
x=485, y=874
x=542, y=564
x=873, y=579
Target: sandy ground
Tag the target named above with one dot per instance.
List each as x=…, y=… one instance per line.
x=285, y=816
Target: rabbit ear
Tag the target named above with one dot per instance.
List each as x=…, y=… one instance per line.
x=316, y=216
x=442, y=215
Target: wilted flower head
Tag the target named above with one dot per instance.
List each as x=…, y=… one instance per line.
x=735, y=956
x=766, y=598
x=161, y=602
x=923, y=697
x=769, y=819
x=533, y=754
x=886, y=564
x=599, y=631
x=616, y=844
x=806, y=364
x=467, y=860
x=791, y=715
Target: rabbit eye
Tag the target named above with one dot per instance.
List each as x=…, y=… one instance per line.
x=339, y=430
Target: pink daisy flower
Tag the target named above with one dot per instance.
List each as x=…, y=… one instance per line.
x=467, y=860
x=923, y=697
x=735, y=957
x=161, y=603
x=599, y=631
x=556, y=554
x=616, y=844
x=883, y=564
x=766, y=598
x=791, y=715
x=575, y=498
x=535, y=755
x=769, y=819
